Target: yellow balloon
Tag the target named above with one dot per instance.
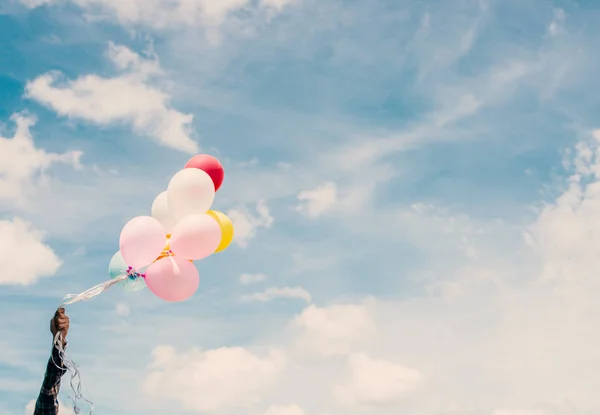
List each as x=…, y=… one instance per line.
x=226, y=228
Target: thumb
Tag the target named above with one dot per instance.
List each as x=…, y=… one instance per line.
x=59, y=313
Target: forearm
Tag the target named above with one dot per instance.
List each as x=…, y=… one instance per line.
x=47, y=402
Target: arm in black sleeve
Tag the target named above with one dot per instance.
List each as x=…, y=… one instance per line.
x=47, y=401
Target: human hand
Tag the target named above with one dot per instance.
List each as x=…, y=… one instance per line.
x=60, y=323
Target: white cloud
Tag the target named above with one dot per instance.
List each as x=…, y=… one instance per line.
x=129, y=98
x=276, y=5
x=287, y=410
x=314, y=203
x=246, y=224
x=35, y=3
x=556, y=26
x=532, y=335
x=273, y=293
x=24, y=256
x=334, y=330
x=21, y=162
x=376, y=382
x=519, y=412
x=457, y=99
x=122, y=310
x=160, y=14
x=497, y=344
x=567, y=232
x=247, y=279
x=214, y=380
x=62, y=409
x=284, y=410
x=408, y=354
x=125, y=59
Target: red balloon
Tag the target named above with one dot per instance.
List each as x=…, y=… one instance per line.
x=210, y=165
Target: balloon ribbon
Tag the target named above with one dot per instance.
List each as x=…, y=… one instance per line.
x=68, y=364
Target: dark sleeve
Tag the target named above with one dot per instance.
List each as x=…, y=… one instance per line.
x=47, y=401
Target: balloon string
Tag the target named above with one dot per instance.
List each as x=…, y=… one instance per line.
x=68, y=363
x=94, y=291
x=75, y=381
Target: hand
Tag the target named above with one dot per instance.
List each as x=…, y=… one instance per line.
x=60, y=323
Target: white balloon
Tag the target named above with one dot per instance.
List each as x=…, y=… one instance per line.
x=161, y=212
x=190, y=191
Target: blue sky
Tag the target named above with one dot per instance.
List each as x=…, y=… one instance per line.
x=413, y=186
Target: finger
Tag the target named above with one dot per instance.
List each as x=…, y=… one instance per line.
x=61, y=310
x=63, y=327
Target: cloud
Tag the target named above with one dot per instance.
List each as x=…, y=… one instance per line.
x=22, y=164
x=214, y=380
x=125, y=59
x=246, y=224
x=123, y=309
x=273, y=293
x=278, y=4
x=566, y=234
x=247, y=279
x=275, y=6
x=334, y=330
x=314, y=203
x=456, y=98
x=24, y=256
x=502, y=339
x=129, y=98
x=556, y=26
x=376, y=382
x=160, y=14
x=536, y=302
x=284, y=410
x=519, y=412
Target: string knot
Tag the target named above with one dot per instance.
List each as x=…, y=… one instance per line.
x=132, y=274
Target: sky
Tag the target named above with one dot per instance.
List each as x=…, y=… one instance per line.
x=415, y=188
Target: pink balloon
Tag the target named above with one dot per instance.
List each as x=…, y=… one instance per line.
x=173, y=279
x=142, y=241
x=195, y=237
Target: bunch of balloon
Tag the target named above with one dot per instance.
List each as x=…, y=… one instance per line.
x=158, y=251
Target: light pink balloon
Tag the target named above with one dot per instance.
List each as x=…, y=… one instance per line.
x=195, y=236
x=172, y=278
x=142, y=241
